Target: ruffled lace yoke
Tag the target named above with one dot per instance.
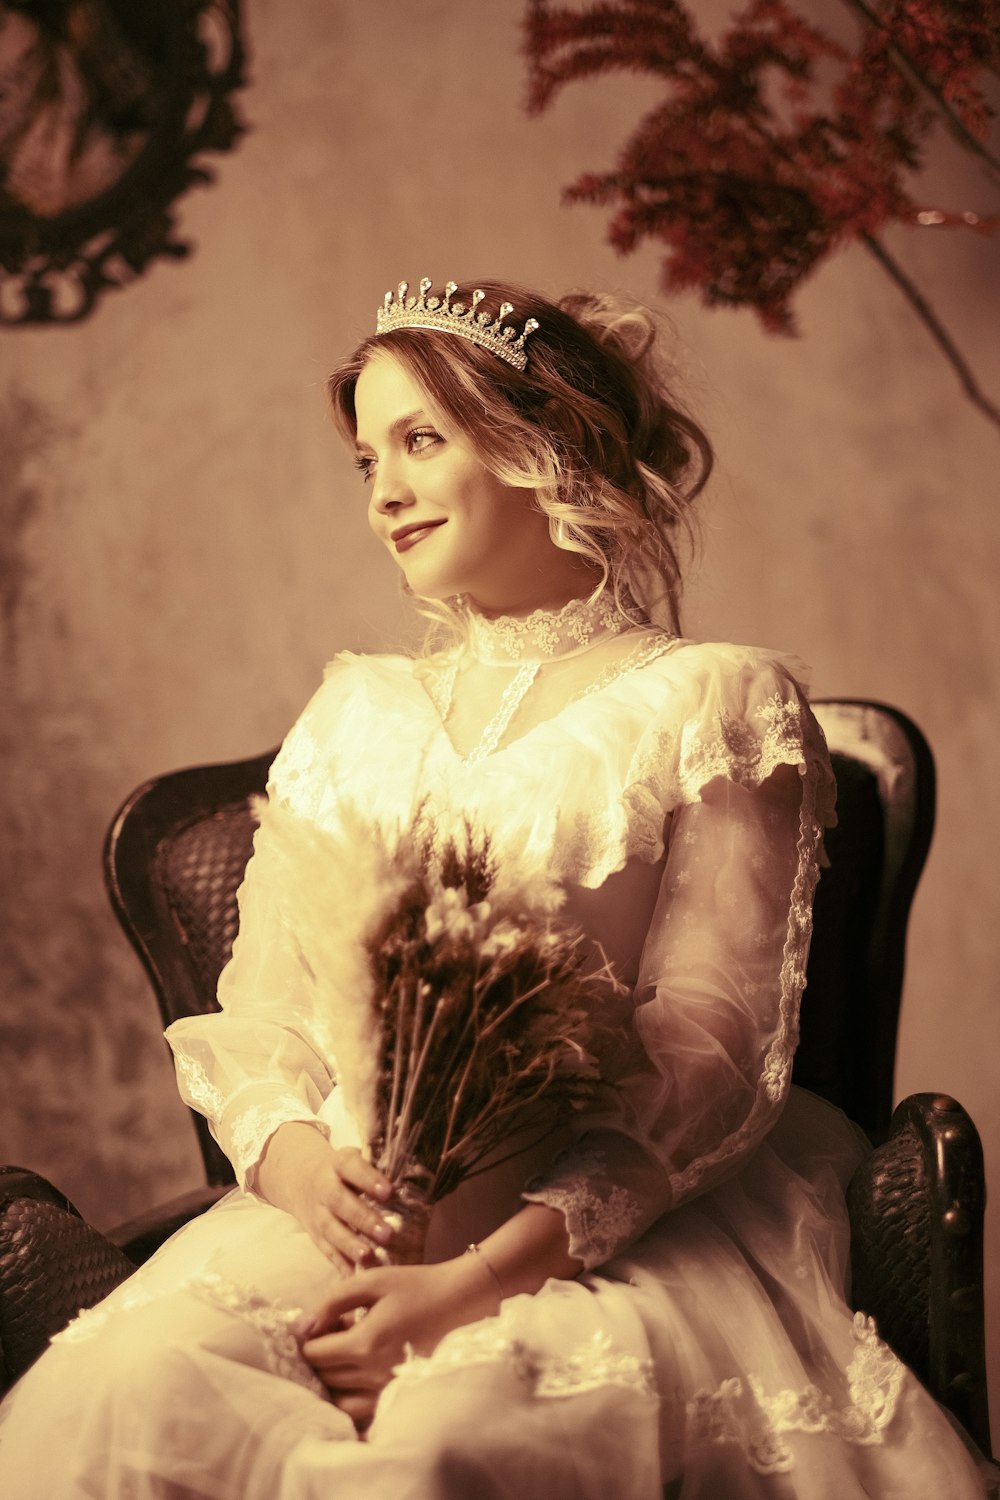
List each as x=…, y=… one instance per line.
x=570, y=735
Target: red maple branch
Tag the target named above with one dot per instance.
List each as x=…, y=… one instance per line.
x=920, y=79
x=774, y=144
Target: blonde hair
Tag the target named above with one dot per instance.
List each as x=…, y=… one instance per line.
x=590, y=425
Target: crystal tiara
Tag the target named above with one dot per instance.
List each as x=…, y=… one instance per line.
x=448, y=317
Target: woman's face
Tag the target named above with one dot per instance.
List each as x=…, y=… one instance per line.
x=451, y=525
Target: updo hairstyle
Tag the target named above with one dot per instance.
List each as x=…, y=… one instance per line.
x=590, y=425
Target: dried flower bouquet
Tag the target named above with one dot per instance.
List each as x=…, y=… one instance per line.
x=460, y=1011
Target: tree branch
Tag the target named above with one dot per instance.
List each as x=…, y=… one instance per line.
x=934, y=326
x=920, y=81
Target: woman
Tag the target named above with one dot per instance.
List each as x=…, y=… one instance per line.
x=659, y=1303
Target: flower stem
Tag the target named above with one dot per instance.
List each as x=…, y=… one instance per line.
x=397, y=1064
x=415, y=1071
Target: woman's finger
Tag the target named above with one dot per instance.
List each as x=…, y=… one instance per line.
x=358, y=1405
x=344, y=1360
x=355, y=1292
x=336, y=1366
x=340, y=1239
x=357, y=1215
x=321, y=1226
x=339, y=1263
x=360, y=1173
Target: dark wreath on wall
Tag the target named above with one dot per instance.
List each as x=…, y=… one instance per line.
x=105, y=108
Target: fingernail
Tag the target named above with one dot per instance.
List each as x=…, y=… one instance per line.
x=304, y=1329
x=384, y=1189
x=383, y=1234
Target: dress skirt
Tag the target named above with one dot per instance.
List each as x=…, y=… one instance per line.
x=716, y=1360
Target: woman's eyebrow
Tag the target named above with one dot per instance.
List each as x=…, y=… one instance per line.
x=399, y=426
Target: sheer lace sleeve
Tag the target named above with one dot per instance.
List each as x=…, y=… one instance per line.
x=260, y=1062
x=704, y=1067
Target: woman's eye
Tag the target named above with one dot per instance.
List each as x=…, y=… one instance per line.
x=366, y=467
x=421, y=438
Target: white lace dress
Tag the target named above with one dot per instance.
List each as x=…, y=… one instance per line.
x=677, y=791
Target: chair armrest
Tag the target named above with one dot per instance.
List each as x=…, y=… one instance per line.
x=52, y=1264
x=916, y=1207
x=139, y=1237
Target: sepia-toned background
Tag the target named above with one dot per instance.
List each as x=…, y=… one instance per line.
x=183, y=544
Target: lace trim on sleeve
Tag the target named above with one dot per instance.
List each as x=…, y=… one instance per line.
x=597, y=1226
x=673, y=767
x=197, y=1089
x=245, y=1132
x=776, y=1071
x=242, y=1133
x=738, y=751
x=745, y=1417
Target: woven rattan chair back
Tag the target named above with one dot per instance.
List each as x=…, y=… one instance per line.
x=173, y=861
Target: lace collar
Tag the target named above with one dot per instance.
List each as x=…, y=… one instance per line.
x=545, y=632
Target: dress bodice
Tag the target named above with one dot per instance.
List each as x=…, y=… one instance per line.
x=674, y=791
x=581, y=788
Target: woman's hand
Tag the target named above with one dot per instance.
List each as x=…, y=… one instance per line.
x=401, y=1306
x=322, y=1187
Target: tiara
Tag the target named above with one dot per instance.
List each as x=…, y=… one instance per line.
x=448, y=317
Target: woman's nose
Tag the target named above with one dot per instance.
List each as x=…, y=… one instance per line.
x=389, y=491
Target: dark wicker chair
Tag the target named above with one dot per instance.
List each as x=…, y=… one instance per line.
x=174, y=857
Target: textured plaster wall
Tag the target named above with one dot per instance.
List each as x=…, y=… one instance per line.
x=183, y=545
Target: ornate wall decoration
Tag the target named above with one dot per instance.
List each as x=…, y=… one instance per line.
x=106, y=107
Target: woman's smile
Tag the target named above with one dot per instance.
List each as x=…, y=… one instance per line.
x=405, y=537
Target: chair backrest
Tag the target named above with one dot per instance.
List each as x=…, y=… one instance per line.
x=885, y=811
x=176, y=851
x=174, y=858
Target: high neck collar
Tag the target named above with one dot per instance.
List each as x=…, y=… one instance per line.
x=545, y=633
